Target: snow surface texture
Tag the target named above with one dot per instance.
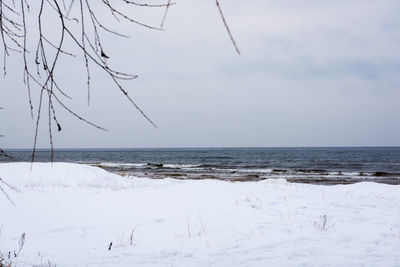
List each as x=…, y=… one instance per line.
x=71, y=213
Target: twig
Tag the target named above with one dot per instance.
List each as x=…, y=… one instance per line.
x=227, y=27
x=165, y=13
x=5, y=193
x=131, y=236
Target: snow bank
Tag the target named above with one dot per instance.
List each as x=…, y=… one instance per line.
x=71, y=213
x=67, y=175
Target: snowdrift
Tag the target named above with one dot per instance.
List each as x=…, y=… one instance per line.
x=77, y=215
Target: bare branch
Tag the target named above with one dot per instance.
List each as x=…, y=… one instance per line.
x=165, y=13
x=227, y=27
x=4, y=191
x=149, y=5
x=77, y=23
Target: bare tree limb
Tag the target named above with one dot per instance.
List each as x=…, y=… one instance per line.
x=4, y=191
x=83, y=26
x=227, y=27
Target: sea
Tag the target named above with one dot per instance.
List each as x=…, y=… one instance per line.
x=315, y=165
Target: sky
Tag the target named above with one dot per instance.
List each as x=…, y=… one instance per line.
x=310, y=73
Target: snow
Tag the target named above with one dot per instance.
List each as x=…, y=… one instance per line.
x=70, y=214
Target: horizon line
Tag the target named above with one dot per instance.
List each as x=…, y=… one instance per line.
x=197, y=147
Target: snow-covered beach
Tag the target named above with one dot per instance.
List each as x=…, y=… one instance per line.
x=77, y=215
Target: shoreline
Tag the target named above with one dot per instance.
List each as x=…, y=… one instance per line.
x=314, y=177
x=321, y=166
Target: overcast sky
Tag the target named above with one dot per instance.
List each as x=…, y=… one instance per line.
x=311, y=73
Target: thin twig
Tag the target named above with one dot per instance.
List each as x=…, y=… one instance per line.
x=165, y=13
x=5, y=193
x=227, y=27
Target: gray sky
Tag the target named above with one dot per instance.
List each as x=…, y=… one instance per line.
x=311, y=73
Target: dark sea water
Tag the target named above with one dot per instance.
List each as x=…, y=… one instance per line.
x=306, y=165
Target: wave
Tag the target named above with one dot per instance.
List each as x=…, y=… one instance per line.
x=181, y=166
x=247, y=173
x=116, y=165
x=145, y=165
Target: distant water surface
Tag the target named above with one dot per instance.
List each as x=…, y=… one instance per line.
x=307, y=165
